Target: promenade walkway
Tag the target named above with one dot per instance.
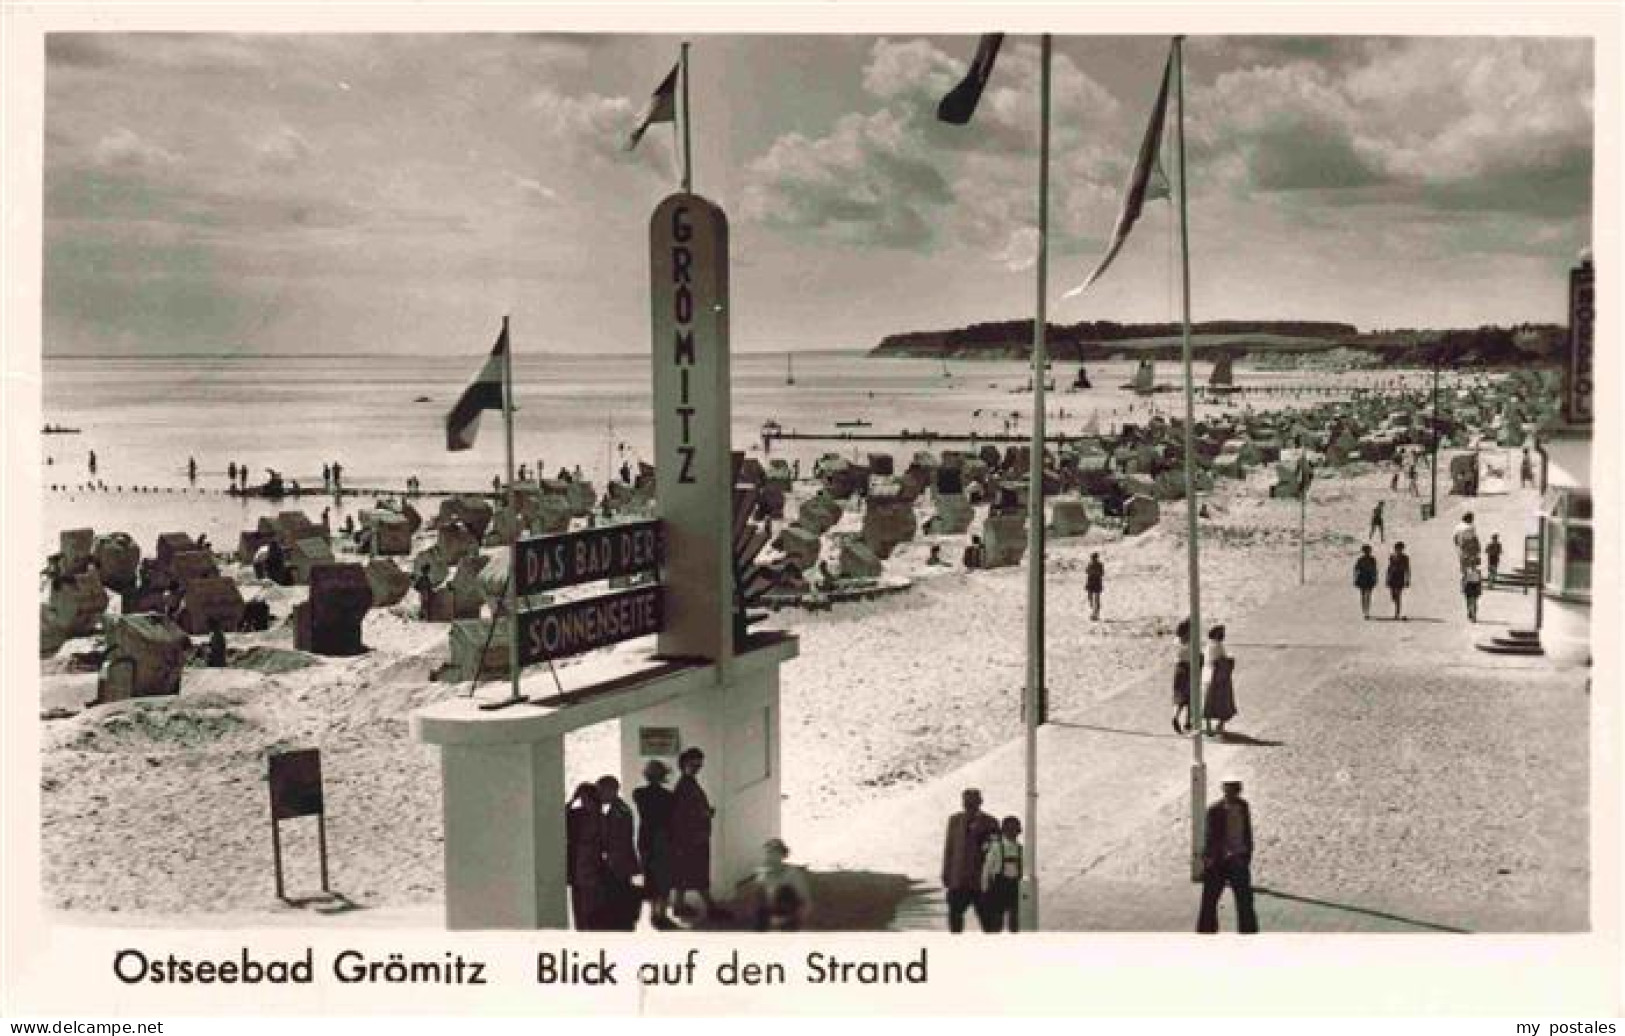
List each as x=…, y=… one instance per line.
x=1401, y=780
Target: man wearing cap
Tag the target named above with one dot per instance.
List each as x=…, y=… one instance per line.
x=618, y=857
x=968, y=832
x=1227, y=858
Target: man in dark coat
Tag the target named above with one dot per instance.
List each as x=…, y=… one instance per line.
x=619, y=857
x=583, y=840
x=691, y=815
x=968, y=833
x=1227, y=858
x=654, y=802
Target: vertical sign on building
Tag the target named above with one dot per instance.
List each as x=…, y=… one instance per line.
x=1578, y=378
x=688, y=265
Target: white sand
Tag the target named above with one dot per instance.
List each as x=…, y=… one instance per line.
x=159, y=806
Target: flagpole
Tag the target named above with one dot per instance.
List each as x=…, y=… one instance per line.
x=1035, y=706
x=688, y=155
x=1198, y=766
x=513, y=514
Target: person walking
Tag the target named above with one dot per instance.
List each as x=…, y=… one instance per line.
x=1219, y=704
x=191, y=470
x=424, y=585
x=1365, y=578
x=1492, y=554
x=1094, y=582
x=1398, y=578
x=1376, y=531
x=781, y=890
x=1410, y=476
x=93, y=462
x=583, y=837
x=1227, y=859
x=1182, y=679
x=654, y=801
x=1526, y=470
x=1001, y=878
x=1472, y=585
x=691, y=816
x=217, y=645
x=231, y=473
x=618, y=858
x=968, y=831
x=1465, y=537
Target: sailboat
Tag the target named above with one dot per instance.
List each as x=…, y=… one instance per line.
x=789, y=368
x=945, y=371
x=1082, y=380
x=1145, y=375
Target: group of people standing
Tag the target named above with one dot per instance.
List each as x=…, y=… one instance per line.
x=982, y=867
x=1219, y=691
x=1470, y=553
x=668, y=844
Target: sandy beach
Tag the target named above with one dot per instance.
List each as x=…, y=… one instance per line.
x=887, y=695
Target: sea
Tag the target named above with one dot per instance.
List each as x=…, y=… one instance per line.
x=383, y=419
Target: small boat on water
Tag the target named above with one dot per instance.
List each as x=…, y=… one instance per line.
x=859, y=423
x=422, y=399
x=56, y=429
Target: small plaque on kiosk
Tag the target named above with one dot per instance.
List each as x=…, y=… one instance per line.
x=659, y=741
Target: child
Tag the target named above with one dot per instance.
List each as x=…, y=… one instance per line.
x=1472, y=584
x=1001, y=879
x=1492, y=552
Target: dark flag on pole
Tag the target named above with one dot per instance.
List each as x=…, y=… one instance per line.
x=484, y=393
x=960, y=104
x=662, y=108
x=1145, y=182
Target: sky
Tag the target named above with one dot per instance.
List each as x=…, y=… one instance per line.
x=376, y=193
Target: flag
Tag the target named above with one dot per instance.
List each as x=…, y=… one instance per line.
x=484, y=393
x=662, y=107
x=960, y=104
x=1146, y=181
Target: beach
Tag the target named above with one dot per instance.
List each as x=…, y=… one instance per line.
x=887, y=695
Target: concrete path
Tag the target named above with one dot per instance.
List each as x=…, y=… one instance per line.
x=1401, y=780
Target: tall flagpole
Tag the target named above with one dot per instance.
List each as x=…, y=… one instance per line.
x=513, y=514
x=688, y=155
x=1198, y=766
x=1034, y=705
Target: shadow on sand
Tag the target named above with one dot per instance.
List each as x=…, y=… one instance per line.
x=1364, y=911
x=846, y=901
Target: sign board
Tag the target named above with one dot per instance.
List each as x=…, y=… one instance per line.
x=578, y=626
x=296, y=784
x=605, y=552
x=688, y=269
x=1579, y=376
x=659, y=741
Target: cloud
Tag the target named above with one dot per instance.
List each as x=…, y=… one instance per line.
x=1488, y=123
x=868, y=181
x=896, y=177
x=595, y=128
x=282, y=150
x=124, y=149
x=535, y=189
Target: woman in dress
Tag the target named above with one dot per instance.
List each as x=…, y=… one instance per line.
x=1398, y=578
x=1365, y=578
x=691, y=815
x=1220, y=703
x=654, y=802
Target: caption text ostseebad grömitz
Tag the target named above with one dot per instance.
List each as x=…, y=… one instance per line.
x=564, y=967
